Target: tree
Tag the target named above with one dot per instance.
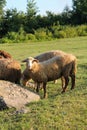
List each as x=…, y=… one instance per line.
x=11, y=21
x=32, y=10
x=2, y=4
x=66, y=15
x=80, y=11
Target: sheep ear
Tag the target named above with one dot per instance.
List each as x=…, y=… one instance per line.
x=25, y=60
x=35, y=60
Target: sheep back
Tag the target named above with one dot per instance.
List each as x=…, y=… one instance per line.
x=4, y=54
x=70, y=65
x=10, y=70
x=50, y=54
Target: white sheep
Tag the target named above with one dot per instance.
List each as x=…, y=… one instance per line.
x=52, y=69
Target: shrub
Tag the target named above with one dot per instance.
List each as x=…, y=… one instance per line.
x=12, y=36
x=82, y=30
x=70, y=31
x=40, y=34
x=5, y=40
x=15, y=37
x=61, y=34
x=31, y=36
x=49, y=34
x=63, y=31
x=55, y=34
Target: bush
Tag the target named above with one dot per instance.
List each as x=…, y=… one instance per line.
x=31, y=37
x=82, y=30
x=15, y=37
x=49, y=34
x=63, y=31
x=70, y=31
x=40, y=34
x=55, y=34
x=61, y=34
x=45, y=34
x=5, y=40
x=12, y=35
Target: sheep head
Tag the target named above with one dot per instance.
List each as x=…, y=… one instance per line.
x=30, y=62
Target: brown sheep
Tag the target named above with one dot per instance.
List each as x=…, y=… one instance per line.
x=4, y=54
x=52, y=69
x=41, y=57
x=10, y=70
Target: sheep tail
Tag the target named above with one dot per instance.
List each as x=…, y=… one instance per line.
x=74, y=66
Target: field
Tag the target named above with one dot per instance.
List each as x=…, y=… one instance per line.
x=66, y=111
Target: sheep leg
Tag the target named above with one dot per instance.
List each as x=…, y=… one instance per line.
x=24, y=82
x=55, y=81
x=63, y=82
x=37, y=88
x=17, y=81
x=73, y=81
x=44, y=88
x=66, y=84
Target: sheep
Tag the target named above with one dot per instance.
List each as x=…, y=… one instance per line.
x=50, y=54
x=4, y=54
x=52, y=69
x=10, y=70
x=41, y=57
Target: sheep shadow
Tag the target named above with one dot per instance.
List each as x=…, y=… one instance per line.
x=3, y=105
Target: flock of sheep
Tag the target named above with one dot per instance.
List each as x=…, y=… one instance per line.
x=48, y=66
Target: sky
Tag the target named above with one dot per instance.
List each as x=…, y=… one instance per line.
x=55, y=6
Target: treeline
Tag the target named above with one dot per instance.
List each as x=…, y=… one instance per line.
x=19, y=26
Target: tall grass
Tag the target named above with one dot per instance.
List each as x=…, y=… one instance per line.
x=66, y=111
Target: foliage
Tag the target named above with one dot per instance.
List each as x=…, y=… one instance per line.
x=11, y=21
x=32, y=9
x=61, y=34
x=2, y=4
x=41, y=34
x=80, y=11
x=31, y=37
x=15, y=37
x=59, y=111
x=46, y=27
x=82, y=30
x=70, y=31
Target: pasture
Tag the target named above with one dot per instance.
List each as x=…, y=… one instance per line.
x=66, y=111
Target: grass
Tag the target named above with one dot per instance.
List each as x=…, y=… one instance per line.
x=66, y=111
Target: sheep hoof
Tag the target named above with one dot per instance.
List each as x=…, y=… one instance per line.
x=63, y=91
x=45, y=96
x=72, y=88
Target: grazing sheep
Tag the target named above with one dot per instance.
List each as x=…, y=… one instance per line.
x=25, y=77
x=10, y=70
x=52, y=69
x=50, y=54
x=42, y=57
x=4, y=54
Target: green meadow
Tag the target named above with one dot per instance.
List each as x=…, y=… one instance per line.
x=66, y=111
